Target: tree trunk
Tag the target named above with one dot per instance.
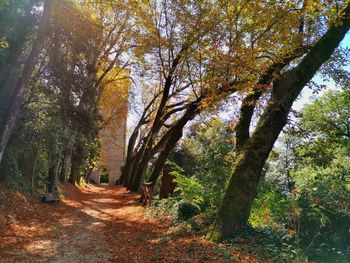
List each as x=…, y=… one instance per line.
x=172, y=137
x=21, y=85
x=145, y=153
x=53, y=173
x=67, y=159
x=132, y=152
x=75, y=173
x=15, y=50
x=239, y=195
x=163, y=156
x=126, y=175
x=139, y=165
x=34, y=166
x=130, y=155
x=165, y=145
x=127, y=169
x=140, y=171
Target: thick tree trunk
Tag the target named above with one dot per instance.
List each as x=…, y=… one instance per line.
x=142, y=159
x=140, y=170
x=66, y=165
x=14, y=108
x=75, y=170
x=67, y=159
x=130, y=155
x=126, y=169
x=127, y=178
x=53, y=173
x=132, y=152
x=134, y=163
x=127, y=172
x=147, y=151
x=172, y=137
x=234, y=211
x=239, y=195
x=163, y=156
x=15, y=51
x=76, y=163
x=165, y=145
x=11, y=62
x=245, y=117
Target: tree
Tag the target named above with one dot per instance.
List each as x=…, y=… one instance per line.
x=171, y=34
x=21, y=84
x=206, y=155
x=315, y=162
x=282, y=162
x=328, y=117
x=60, y=110
x=254, y=150
x=17, y=24
x=217, y=63
x=82, y=64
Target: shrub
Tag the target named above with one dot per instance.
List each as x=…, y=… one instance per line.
x=191, y=190
x=186, y=210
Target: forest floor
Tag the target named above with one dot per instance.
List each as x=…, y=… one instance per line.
x=96, y=224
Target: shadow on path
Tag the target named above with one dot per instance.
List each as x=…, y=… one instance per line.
x=98, y=224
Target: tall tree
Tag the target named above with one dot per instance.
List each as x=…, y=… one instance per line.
x=170, y=35
x=82, y=63
x=22, y=83
x=254, y=150
x=231, y=55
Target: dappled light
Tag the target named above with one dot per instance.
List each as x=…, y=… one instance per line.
x=174, y=131
x=116, y=230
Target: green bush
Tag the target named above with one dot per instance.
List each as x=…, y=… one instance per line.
x=186, y=210
x=190, y=189
x=165, y=209
x=270, y=208
x=12, y=174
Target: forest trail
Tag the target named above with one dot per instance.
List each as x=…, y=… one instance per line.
x=93, y=224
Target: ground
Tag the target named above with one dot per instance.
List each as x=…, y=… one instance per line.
x=96, y=224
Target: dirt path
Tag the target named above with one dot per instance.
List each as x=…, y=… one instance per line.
x=94, y=224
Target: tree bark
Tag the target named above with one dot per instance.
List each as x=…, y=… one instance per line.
x=34, y=166
x=14, y=53
x=15, y=49
x=145, y=153
x=67, y=159
x=131, y=151
x=172, y=137
x=22, y=83
x=235, y=208
x=75, y=173
x=53, y=173
x=251, y=100
x=245, y=117
x=139, y=169
x=240, y=193
x=163, y=156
